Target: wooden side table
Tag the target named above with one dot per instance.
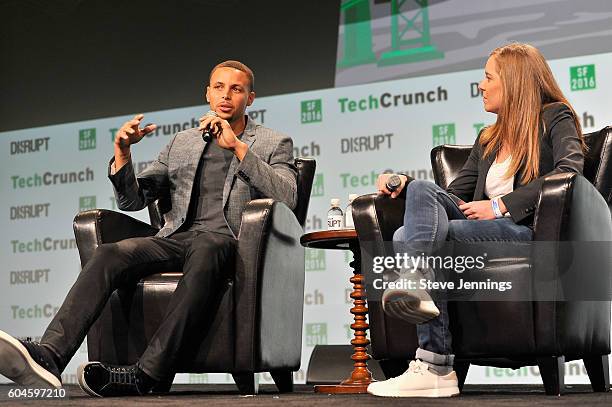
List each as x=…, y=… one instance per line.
x=346, y=239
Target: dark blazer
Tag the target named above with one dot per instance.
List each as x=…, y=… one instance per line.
x=560, y=151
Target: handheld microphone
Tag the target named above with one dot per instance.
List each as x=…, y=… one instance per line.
x=206, y=135
x=393, y=183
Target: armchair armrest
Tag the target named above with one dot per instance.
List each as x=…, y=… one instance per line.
x=97, y=226
x=570, y=209
x=268, y=287
x=376, y=219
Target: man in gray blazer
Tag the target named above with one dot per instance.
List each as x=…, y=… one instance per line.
x=209, y=183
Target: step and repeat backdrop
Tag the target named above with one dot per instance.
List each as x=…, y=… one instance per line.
x=49, y=174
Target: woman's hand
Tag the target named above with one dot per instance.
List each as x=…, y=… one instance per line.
x=381, y=184
x=481, y=210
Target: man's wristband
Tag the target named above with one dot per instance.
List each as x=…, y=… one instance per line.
x=495, y=206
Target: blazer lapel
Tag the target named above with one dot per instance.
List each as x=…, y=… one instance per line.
x=248, y=137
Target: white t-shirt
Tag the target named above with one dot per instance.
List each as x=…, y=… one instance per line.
x=496, y=184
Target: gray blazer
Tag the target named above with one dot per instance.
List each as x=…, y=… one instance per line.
x=267, y=171
x=560, y=151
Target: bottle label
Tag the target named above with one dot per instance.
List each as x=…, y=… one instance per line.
x=334, y=222
x=348, y=222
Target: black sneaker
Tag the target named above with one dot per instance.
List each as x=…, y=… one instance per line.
x=27, y=363
x=101, y=380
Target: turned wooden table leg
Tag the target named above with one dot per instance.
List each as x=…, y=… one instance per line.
x=360, y=377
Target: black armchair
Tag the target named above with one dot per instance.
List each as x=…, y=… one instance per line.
x=571, y=207
x=258, y=325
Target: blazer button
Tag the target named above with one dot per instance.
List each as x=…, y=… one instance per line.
x=182, y=220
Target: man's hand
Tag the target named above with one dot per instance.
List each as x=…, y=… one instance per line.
x=128, y=134
x=131, y=132
x=481, y=210
x=381, y=184
x=226, y=138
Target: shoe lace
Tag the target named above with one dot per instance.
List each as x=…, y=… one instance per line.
x=122, y=375
x=417, y=367
x=34, y=349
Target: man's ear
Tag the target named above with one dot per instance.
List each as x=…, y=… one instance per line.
x=251, y=98
x=206, y=94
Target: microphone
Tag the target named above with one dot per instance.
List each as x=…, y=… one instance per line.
x=393, y=183
x=206, y=134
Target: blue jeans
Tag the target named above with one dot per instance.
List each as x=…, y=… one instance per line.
x=432, y=216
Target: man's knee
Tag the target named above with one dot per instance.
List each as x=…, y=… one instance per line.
x=113, y=256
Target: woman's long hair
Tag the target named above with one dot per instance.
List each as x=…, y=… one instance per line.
x=527, y=86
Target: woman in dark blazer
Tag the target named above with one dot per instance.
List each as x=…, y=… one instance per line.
x=493, y=198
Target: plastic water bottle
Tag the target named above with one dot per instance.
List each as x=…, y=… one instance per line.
x=348, y=213
x=335, y=218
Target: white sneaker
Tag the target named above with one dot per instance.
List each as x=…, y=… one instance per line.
x=417, y=381
x=411, y=305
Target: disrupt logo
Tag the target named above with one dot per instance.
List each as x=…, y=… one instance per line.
x=365, y=143
x=315, y=260
x=312, y=111
x=35, y=311
x=318, y=187
x=316, y=334
x=30, y=211
x=30, y=145
x=387, y=100
x=49, y=178
x=257, y=115
x=46, y=244
x=30, y=276
x=87, y=139
x=475, y=91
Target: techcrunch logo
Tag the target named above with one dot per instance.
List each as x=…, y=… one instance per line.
x=170, y=129
x=47, y=244
x=387, y=100
x=34, y=312
x=349, y=180
x=49, y=178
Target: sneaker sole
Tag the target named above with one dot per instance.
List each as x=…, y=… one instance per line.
x=401, y=304
x=17, y=364
x=82, y=383
x=444, y=392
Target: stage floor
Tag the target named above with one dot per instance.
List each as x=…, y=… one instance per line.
x=217, y=394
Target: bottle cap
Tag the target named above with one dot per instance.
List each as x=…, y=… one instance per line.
x=335, y=202
x=352, y=196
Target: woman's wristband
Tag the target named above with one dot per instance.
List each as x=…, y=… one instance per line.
x=496, y=209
